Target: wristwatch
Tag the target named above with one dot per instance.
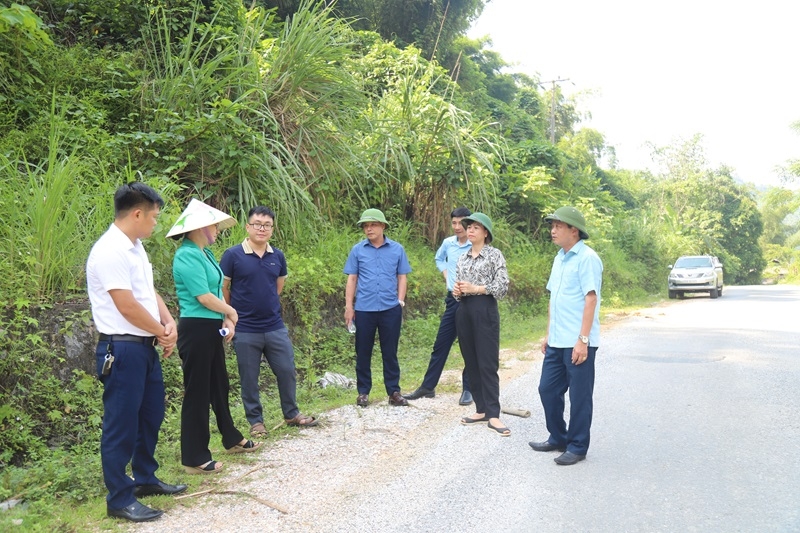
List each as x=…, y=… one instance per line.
x=584, y=339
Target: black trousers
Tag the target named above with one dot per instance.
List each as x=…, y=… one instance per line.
x=478, y=327
x=445, y=338
x=205, y=382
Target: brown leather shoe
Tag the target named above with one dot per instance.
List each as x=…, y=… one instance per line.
x=397, y=399
x=362, y=400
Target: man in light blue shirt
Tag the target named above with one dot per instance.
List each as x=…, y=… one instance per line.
x=573, y=335
x=446, y=258
x=374, y=299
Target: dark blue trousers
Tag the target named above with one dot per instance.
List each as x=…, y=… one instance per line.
x=133, y=405
x=387, y=325
x=558, y=375
x=441, y=347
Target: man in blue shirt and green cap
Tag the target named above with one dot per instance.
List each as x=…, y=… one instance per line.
x=374, y=299
x=573, y=335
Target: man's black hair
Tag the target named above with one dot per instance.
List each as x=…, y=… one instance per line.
x=135, y=194
x=460, y=212
x=261, y=210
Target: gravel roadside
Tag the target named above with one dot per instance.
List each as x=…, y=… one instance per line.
x=317, y=476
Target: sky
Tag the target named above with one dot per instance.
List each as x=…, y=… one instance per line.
x=660, y=72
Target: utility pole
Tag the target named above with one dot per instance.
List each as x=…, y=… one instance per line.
x=553, y=106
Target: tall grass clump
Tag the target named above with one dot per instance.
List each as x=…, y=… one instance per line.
x=250, y=114
x=51, y=220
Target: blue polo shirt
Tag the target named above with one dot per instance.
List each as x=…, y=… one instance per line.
x=377, y=270
x=574, y=275
x=254, y=286
x=447, y=258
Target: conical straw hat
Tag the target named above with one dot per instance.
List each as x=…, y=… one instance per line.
x=199, y=215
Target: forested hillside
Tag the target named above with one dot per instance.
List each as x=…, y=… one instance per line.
x=318, y=110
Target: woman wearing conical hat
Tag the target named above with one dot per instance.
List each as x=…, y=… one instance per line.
x=204, y=319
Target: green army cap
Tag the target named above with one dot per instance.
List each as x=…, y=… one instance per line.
x=372, y=215
x=481, y=219
x=573, y=217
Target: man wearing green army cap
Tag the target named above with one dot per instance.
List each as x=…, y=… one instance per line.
x=573, y=335
x=374, y=299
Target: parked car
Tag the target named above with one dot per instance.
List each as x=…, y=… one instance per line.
x=695, y=273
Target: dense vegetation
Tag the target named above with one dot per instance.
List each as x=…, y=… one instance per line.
x=318, y=111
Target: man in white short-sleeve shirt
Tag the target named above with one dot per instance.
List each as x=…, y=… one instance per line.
x=132, y=319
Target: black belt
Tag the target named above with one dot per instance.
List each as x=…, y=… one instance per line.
x=150, y=341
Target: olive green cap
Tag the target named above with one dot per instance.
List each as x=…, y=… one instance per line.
x=481, y=219
x=372, y=215
x=573, y=217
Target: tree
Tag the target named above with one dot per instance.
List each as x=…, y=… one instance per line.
x=793, y=167
x=681, y=159
x=22, y=35
x=779, y=208
x=426, y=154
x=430, y=25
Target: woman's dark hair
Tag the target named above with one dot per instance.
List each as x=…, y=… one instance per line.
x=133, y=195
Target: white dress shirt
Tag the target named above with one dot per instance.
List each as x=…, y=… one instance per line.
x=117, y=263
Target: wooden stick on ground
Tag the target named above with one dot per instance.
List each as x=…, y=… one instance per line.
x=223, y=490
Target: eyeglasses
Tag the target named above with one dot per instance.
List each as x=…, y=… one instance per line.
x=260, y=226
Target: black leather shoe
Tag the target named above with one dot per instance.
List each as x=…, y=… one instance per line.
x=421, y=392
x=135, y=512
x=546, y=446
x=159, y=489
x=569, y=458
x=466, y=398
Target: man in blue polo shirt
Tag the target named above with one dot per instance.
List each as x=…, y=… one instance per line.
x=255, y=273
x=573, y=335
x=374, y=299
x=446, y=258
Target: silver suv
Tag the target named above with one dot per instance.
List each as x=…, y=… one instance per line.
x=695, y=273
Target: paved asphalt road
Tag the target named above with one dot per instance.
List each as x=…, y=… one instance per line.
x=696, y=428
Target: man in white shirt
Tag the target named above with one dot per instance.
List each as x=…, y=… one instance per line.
x=131, y=319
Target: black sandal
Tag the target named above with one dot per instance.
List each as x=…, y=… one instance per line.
x=210, y=468
x=248, y=446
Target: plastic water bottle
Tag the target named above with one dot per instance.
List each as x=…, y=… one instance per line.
x=224, y=332
x=351, y=326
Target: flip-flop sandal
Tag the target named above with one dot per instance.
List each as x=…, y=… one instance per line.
x=210, y=468
x=248, y=446
x=467, y=421
x=502, y=431
x=301, y=421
